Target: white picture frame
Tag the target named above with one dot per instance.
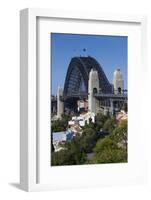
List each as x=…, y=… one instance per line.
x=29, y=142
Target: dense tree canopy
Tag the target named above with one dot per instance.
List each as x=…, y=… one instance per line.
x=109, y=125
x=100, y=120
x=119, y=135
x=113, y=148
x=88, y=140
x=107, y=151
x=60, y=124
x=72, y=154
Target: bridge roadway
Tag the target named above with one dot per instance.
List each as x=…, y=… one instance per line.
x=97, y=95
x=111, y=96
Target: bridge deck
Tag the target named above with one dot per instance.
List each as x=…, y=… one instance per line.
x=97, y=95
x=117, y=96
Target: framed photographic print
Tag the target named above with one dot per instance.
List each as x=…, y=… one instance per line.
x=81, y=104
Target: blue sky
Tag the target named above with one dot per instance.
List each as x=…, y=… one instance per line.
x=109, y=51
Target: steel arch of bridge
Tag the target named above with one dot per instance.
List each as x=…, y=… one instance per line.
x=78, y=75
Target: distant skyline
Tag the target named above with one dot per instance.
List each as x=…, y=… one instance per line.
x=109, y=51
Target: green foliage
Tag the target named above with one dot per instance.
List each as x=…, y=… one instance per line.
x=66, y=118
x=59, y=158
x=104, y=144
x=88, y=140
x=90, y=125
x=107, y=151
x=74, y=152
x=109, y=125
x=113, y=148
x=71, y=155
x=119, y=135
x=60, y=124
x=100, y=120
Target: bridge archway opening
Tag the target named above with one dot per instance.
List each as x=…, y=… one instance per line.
x=95, y=91
x=119, y=90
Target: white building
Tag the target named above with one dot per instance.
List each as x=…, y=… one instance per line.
x=83, y=119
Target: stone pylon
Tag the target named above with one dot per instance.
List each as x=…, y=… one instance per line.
x=60, y=104
x=118, y=81
x=93, y=87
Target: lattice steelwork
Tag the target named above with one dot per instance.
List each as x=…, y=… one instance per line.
x=78, y=75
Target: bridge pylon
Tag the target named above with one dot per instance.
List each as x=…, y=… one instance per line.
x=93, y=88
x=60, y=104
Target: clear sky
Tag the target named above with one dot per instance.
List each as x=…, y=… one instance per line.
x=109, y=51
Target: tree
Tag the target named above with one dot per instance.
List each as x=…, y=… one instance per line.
x=107, y=151
x=100, y=120
x=88, y=140
x=109, y=125
x=72, y=154
x=57, y=126
x=101, y=117
x=59, y=158
x=119, y=135
x=91, y=125
x=60, y=124
x=65, y=118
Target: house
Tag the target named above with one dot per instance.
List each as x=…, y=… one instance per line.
x=82, y=119
x=121, y=116
x=76, y=129
x=60, y=137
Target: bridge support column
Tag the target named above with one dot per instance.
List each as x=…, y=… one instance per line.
x=93, y=87
x=60, y=104
x=111, y=107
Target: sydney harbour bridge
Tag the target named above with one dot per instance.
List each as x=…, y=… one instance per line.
x=86, y=80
